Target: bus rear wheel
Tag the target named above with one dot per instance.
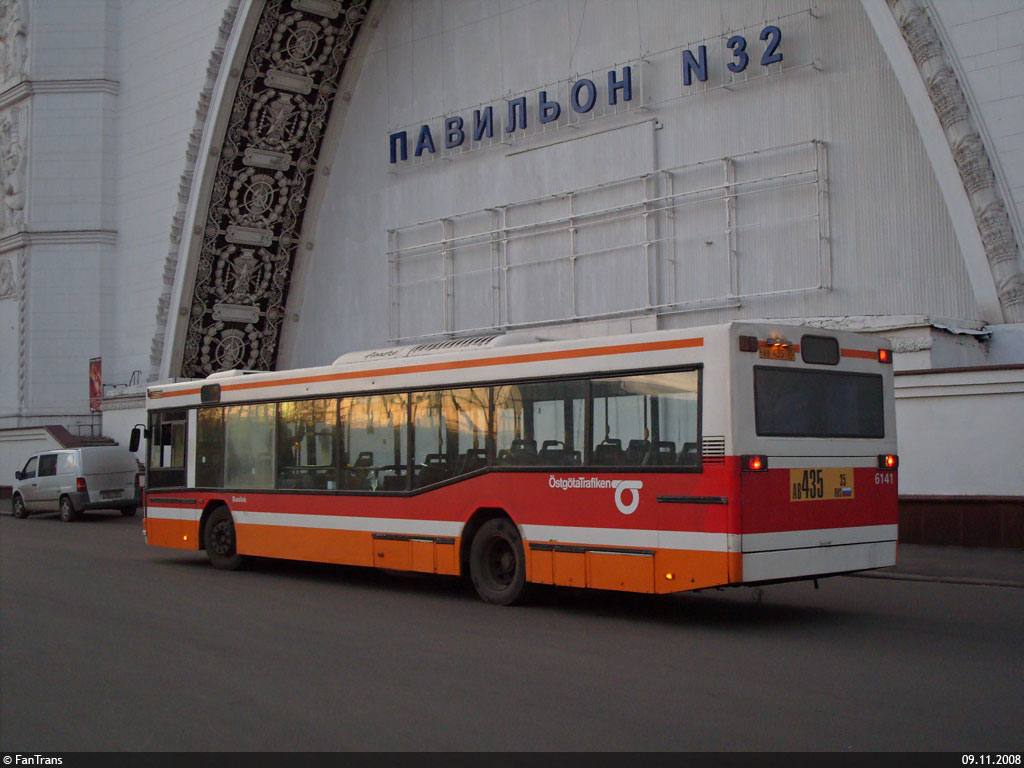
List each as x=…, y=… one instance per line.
x=497, y=562
x=220, y=542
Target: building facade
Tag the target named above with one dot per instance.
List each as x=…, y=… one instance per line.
x=198, y=186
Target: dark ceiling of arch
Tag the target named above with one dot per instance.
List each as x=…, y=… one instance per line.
x=264, y=173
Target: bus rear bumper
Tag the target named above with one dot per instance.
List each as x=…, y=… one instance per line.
x=817, y=561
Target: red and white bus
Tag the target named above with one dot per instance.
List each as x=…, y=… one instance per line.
x=744, y=453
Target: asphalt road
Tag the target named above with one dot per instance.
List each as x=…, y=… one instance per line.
x=111, y=645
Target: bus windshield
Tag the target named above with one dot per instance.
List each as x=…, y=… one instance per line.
x=792, y=402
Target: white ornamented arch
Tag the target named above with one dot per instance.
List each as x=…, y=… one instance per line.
x=958, y=155
x=252, y=169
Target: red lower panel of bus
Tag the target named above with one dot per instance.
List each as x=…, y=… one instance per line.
x=811, y=499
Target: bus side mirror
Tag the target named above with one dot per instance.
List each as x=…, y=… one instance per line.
x=136, y=438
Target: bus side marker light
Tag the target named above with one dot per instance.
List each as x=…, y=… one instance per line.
x=885, y=356
x=754, y=463
x=888, y=461
x=670, y=576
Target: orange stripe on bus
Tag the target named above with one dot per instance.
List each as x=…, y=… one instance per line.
x=534, y=357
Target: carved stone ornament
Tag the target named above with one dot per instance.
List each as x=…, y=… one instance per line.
x=12, y=173
x=921, y=38
x=948, y=98
x=263, y=177
x=13, y=40
x=8, y=283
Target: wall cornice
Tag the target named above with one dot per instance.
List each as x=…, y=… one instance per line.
x=58, y=237
x=27, y=88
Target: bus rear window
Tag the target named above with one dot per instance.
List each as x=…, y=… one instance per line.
x=791, y=402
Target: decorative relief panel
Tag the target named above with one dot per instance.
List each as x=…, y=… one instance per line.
x=8, y=283
x=13, y=40
x=12, y=172
x=262, y=183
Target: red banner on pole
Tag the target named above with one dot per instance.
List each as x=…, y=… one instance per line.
x=95, y=385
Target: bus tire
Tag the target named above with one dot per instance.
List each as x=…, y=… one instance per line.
x=497, y=562
x=67, y=510
x=18, y=507
x=220, y=541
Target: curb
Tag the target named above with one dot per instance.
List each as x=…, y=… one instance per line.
x=967, y=580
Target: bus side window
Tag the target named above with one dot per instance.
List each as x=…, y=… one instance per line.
x=449, y=434
x=540, y=424
x=249, y=438
x=374, y=429
x=305, y=445
x=651, y=414
x=210, y=448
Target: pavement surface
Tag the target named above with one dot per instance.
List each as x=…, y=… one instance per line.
x=955, y=565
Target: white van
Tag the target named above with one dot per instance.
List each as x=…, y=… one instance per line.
x=70, y=480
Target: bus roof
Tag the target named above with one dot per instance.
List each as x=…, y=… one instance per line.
x=482, y=359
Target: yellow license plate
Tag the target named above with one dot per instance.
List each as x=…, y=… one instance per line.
x=820, y=484
x=776, y=352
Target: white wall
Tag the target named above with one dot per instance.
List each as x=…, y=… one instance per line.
x=162, y=57
x=961, y=433
x=16, y=446
x=121, y=415
x=892, y=246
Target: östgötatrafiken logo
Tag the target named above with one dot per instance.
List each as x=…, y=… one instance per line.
x=627, y=492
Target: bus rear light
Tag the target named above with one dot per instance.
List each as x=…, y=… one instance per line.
x=753, y=463
x=885, y=356
x=80, y=485
x=888, y=461
x=748, y=343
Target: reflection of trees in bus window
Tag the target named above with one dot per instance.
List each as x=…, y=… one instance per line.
x=305, y=444
x=646, y=420
x=449, y=433
x=249, y=436
x=540, y=423
x=373, y=433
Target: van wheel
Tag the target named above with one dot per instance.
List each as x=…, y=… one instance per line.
x=129, y=512
x=18, y=508
x=497, y=563
x=219, y=540
x=67, y=510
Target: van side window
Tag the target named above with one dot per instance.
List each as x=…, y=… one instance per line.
x=48, y=465
x=66, y=464
x=30, y=468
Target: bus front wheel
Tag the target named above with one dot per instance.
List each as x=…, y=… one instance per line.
x=219, y=540
x=497, y=562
